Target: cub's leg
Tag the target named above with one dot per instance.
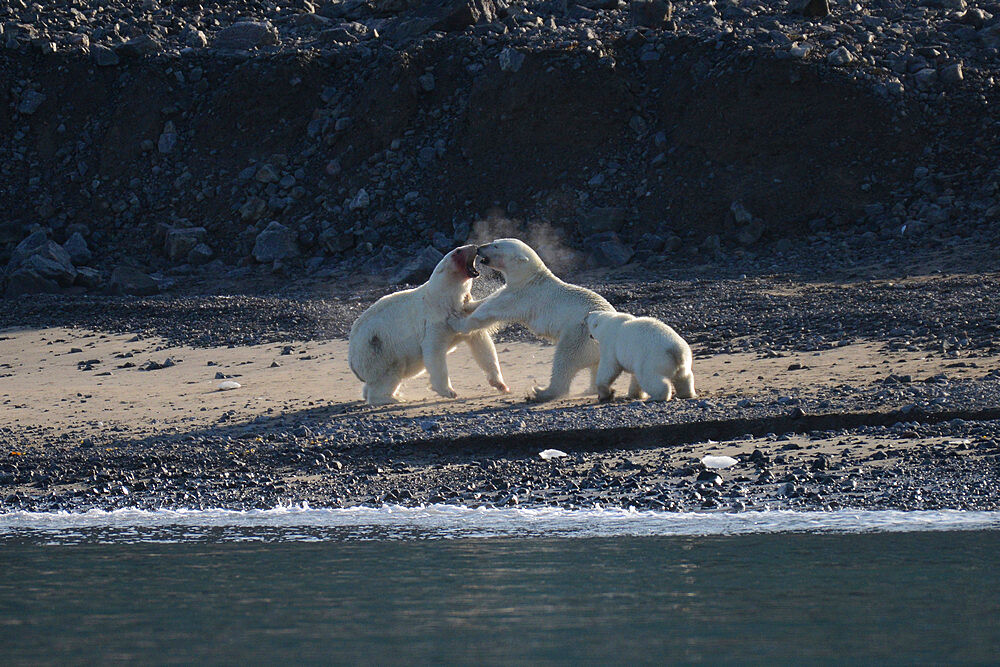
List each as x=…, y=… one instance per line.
x=607, y=372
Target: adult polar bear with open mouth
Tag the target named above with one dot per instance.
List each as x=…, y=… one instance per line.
x=405, y=333
x=535, y=298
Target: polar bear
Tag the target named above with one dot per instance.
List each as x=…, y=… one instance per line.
x=538, y=300
x=405, y=333
x=658, y=359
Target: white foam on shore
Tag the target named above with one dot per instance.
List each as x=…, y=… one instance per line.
x=303, y=523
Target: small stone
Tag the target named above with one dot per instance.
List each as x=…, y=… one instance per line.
x=426, y=82
x=650, y=13
x=360, y=200
x=800, y=50
x=926, y=78
x=952, y=73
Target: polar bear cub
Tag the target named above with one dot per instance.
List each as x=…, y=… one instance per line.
x=656, y=356
x=535, y=298
x=405, y=333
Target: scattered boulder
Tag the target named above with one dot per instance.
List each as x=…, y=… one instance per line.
x=52, y=264
x=276, y=242
x=418, y=269
x=608, y=250
x=179, y=241
x=25, y=281
x=76, y=248
x=31, y=244
x=246, y=35
x=126, y=280
x=336, y=241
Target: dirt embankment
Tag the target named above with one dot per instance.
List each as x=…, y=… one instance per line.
x=589, y=145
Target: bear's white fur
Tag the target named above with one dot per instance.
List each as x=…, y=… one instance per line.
x=538, y=300
x=405, y=333
x=656, y=356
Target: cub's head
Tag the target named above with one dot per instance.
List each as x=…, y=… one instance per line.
x=513, y=258
x=600, y=321
x=457, y=267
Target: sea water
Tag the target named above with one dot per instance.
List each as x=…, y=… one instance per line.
x=452, y=585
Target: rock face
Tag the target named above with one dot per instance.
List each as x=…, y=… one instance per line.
x=418, y=269
x=602, y=220
x=128, y=281
x=277, y=242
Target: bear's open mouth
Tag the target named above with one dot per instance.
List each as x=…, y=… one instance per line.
x=470, y=266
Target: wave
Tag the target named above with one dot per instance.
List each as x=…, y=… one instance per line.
x=305, y=523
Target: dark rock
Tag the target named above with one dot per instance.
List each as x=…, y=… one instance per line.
x=26, y=281
x=30, y=101
x=650, y=13
x=709, y=477
x=179, y=241
x=76, y=248
x=126, y=280
x=418, y=269
x=246, y=35
x=608, y=250
x=88, y=277
x=275, y=243
x=811, y=8
x=200, y=254
x=52, y=264
x=143, y=45
x=103, y=56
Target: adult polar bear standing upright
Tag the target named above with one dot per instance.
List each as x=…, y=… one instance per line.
x=656, y=356
x=405, y=333
x=535, y=298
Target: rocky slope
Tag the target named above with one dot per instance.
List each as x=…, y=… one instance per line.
x=333, y=138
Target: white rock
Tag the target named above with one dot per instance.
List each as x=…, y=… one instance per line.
x=719, y=461
x=229, y=384
x=549, y=454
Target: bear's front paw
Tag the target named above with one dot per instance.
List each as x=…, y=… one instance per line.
x=500, y=386
x=447, y=393
x=605, y=395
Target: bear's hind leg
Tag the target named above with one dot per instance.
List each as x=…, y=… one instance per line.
x=654, y=384
x=569, y=360
x=635, y=389
x=684, y=383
